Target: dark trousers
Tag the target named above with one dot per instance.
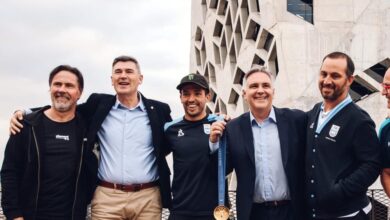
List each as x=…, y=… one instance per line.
x=188, y=217
x=360, y=216
x=261, y=212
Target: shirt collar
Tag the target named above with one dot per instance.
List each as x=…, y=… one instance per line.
x=140, y=105
x=270, y=117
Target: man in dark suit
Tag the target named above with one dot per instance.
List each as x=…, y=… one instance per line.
x=265, y=148
x=133, y=173
x=128, y=129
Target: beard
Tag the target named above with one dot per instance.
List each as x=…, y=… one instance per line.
x=62, y=107
x=60, y=104
x=334, y=93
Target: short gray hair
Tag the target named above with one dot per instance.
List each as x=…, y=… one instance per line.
x=256, y=69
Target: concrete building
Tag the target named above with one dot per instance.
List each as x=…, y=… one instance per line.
x=290, y=37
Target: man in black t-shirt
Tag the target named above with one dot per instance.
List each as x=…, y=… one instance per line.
x=44, y=174
x=195, y=171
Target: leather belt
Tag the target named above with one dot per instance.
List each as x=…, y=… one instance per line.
x=273, y=203
x=128, y=188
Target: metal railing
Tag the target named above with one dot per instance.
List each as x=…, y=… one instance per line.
x=379, y=199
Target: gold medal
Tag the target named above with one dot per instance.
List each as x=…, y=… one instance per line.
x=221, y=213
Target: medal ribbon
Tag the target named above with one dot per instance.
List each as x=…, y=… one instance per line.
x=221, y=170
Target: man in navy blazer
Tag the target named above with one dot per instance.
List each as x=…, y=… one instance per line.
x=266, y=149
x=133, y=174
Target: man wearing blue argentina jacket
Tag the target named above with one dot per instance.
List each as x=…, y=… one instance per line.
x=195, y=176
x=343, y=153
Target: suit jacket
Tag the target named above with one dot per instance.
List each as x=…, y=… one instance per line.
x=97, y=108
x=291, y=126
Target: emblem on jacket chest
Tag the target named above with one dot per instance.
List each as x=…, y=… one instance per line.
x=180, y=133
x=334, y=130
x=206, y=128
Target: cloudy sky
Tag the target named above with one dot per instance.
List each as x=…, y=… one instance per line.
x=38, y=35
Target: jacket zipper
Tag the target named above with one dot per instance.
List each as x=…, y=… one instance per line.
x=39, y=169
x=78, y=177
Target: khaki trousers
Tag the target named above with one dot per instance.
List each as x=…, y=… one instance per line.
x=114, y=204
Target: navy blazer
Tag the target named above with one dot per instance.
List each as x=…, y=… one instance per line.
x=291, y=126
x=97, y=108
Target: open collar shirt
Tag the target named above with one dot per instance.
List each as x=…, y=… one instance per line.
x=127, y=152
x=271, y=181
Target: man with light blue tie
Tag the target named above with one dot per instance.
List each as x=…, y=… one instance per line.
x=265, y=148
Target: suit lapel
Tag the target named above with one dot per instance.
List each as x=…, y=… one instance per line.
x=247, y=133
x=153, y=118
x=105, y=108
x=282, y=125
x=102, y=111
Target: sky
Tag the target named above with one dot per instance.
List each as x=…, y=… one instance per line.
x=36, y=36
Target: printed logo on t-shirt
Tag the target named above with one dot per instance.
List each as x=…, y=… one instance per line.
x=334, y=130
x=180, y=133
x=206, y=128
x=312, y=125
x=62, y=137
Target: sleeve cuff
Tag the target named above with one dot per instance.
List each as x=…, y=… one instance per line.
x=213, y=146
x=27, y=111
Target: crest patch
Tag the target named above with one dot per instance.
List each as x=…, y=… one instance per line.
x=334, y=130
x=206, y=128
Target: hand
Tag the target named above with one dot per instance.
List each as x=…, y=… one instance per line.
x=15, y=124
x=19, y=218
x=225, y=117
x=217, y=129
x=332, y=199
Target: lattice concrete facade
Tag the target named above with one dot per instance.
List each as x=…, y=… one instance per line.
x=290, y=37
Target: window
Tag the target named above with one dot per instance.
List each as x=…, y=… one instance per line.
x=233, y=99
x=377, y=71
x=301, y=8
x=213, y=4
x=239, y=77
x=253, y=30
x=218, y=29
x=257, y=60
x=360, y=89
